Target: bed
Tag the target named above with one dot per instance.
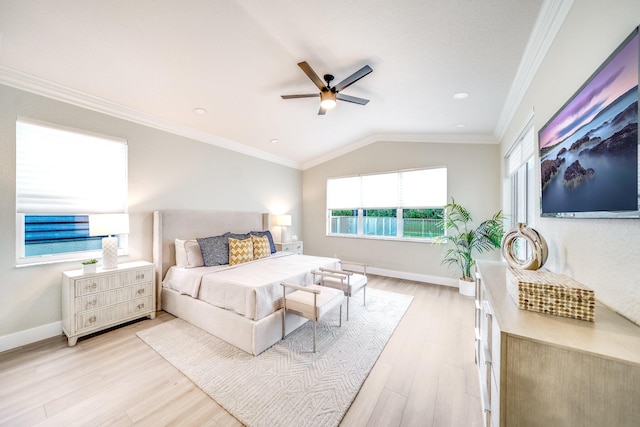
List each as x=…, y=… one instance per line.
x=241, y=303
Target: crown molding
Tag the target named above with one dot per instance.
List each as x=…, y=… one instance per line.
x=38, y=86
x=404, y=137
x=548, y=23
x=550, y=19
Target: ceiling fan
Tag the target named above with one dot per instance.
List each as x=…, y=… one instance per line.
x=328, y=95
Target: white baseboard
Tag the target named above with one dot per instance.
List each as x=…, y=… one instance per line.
x=444, y=281
x=18, y=339
x=39, y=333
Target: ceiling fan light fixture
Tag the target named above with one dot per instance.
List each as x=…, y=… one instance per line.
x=327, y=99
x=329, y=95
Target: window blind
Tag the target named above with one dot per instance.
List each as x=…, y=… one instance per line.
x=343, y=193
x=379, y=191
x=522, y=150
x=403, y=189
x=423, y=188
x=63, y=171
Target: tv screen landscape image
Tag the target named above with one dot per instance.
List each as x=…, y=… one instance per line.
x=589, y=149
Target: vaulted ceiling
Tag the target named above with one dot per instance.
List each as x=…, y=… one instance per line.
x=154, y=62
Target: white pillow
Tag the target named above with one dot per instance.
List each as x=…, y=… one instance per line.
x=188, y=254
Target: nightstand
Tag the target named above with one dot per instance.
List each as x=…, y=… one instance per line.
x=95, y=301
x=293, y=247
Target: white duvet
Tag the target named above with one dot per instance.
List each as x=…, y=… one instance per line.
x=251, y=289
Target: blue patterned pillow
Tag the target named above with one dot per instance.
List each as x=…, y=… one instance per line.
x=267, y=233
x=215, y=250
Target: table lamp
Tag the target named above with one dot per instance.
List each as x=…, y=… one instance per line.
x=109, y=225
x=283, y=221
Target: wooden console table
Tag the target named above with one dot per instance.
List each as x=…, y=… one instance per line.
x=541, y=370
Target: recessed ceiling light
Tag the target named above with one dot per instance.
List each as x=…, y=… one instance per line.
x=274, y=141
x=461, y=125
x=200, y=111
x=461, y=95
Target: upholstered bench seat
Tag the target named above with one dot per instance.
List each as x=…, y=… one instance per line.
x=302, y=302
x=311, y=302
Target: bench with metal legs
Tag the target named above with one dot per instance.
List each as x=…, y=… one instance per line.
x=348, y=281
x=311, y=302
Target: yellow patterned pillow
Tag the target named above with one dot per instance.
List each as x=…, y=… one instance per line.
x=240, y=251
x=261, y=247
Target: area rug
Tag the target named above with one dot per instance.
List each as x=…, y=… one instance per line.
x=288, y=384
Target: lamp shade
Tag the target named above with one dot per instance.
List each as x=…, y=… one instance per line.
x=283, y=220
x=108, y=224
x=327, y=99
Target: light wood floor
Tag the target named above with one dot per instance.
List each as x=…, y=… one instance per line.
x=425, y=376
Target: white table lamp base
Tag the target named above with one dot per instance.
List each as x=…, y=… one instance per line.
x=109, y=253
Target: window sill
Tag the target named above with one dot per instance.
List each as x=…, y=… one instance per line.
x=24, y=262
x=432, y=240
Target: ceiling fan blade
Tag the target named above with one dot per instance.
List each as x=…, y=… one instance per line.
x=306, y=95
x=354, y=99
x=312, y=74
x=322, y=111
x=353, y=78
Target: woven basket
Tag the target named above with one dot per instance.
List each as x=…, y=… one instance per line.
x=551, y=293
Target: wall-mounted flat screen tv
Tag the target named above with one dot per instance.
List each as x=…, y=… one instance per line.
x=589, y=149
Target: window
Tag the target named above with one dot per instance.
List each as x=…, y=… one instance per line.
x=62, y=175
x=393, y=205
x=49, y=234
x=521, y=183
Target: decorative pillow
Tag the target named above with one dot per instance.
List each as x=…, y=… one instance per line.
x=188, y=254
x=215, y=250
x=267, y=233
x=238, y=236
x=240, y=251
x=261, y=248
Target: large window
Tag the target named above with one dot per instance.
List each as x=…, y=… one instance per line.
x=520, y=175
x=520, y=182
x=393, y=205
x=62, y=176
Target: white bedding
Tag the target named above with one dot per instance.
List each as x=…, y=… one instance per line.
x=251, y=289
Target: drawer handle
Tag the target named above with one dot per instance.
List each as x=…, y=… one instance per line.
x=92, y=319
x=91, y=303
x=140, y=306
x=141, y=291
x=94, y=285
x=139, y=276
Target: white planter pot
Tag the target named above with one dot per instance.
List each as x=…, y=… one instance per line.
x=467, y=288
x=89, y=268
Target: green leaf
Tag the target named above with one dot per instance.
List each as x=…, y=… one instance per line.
x=466, y=239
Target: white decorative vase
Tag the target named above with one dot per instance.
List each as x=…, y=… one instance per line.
x=467, y=288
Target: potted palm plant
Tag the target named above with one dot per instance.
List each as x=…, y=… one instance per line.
x=463, y=240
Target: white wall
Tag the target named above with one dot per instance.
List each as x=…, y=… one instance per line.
x=473, y=180
x=603, y=254
x=165, y=172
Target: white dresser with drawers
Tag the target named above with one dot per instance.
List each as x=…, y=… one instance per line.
x=95, y=301
x=296, y=247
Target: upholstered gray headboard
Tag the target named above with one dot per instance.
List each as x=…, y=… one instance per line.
x=171, y=225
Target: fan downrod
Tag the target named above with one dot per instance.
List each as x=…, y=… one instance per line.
x=328, y=78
